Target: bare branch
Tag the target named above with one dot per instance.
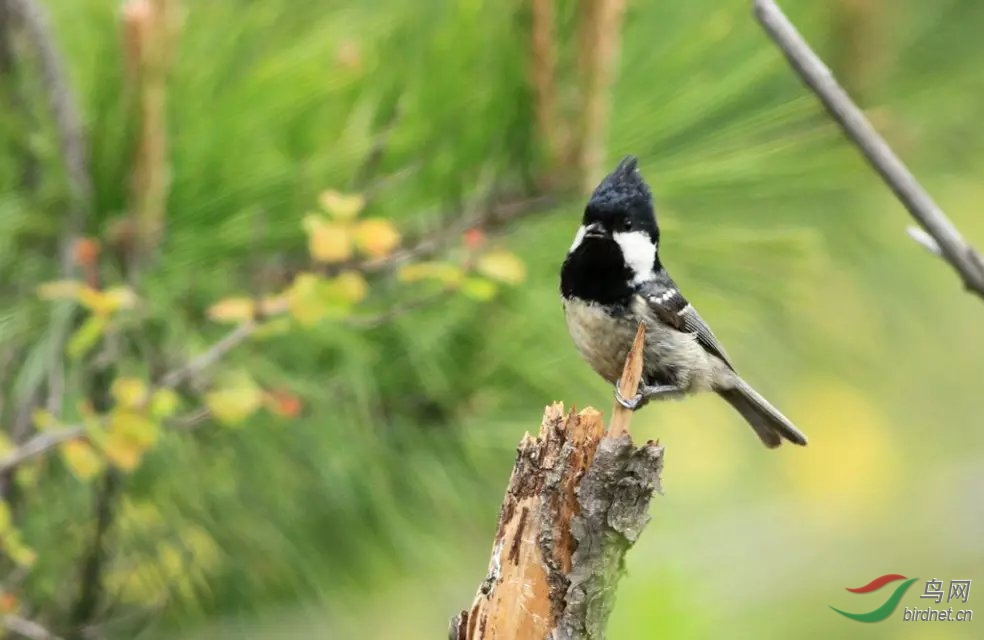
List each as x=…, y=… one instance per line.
x=493, y=216
x=964, y=259
x=211, y=356
x=38, y=445
x=27, y=628
x=48, y=440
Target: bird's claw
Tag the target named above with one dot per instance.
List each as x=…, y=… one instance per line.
x=632, y=404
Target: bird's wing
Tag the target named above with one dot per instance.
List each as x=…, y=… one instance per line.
x=670, y=306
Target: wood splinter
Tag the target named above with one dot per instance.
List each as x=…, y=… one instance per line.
x=577, y=500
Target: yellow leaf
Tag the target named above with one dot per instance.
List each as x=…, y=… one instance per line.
x=92, y=299
x=376, y=237
x=81, y=459
x=44, y=420
x=303, y=300
x=502, y=266
x=312, y=298
x=106, y=302
x=342, y=206
x=130, y=393
x=123, y=453
x=236, y=400
x=449, y=274
x=60, y=290
x=479, y=289
x=351, y=286
x=86, y=336
x=328, y=242
x=119, y=298
x=232, y=310
x=128, y=437
x=164, y=403
x=136, y=427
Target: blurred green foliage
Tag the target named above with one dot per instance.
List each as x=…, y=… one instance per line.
x=371, y=514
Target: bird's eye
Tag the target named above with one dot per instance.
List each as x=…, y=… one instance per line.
x=627, y=224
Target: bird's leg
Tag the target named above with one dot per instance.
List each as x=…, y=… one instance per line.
x=647, y=393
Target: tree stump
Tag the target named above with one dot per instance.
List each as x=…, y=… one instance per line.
x=576, y=501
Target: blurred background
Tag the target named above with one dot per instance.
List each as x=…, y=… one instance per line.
x=279, y=297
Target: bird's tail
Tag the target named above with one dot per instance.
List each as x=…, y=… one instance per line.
x=770, y=425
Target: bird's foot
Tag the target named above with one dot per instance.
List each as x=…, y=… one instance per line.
x=632, y=404
x=647, y=393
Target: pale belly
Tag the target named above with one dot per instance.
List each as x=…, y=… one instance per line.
x=603, y=340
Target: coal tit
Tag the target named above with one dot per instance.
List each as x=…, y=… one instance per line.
x=612, y=279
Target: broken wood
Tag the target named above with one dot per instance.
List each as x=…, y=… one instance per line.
x=577, y=500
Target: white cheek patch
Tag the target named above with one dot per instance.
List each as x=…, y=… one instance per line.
x=578, y=239
x=639, y=253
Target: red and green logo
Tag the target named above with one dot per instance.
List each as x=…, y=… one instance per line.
x=882, y=612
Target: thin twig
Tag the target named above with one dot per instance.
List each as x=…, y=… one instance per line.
x=491, y=217
x=964, y=259
x=494, y=216
x=47, y=440
x=191, y=420
x=27, y=628
x=38, y=445
x=212, y=355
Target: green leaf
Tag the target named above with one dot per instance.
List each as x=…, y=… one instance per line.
x=479, y=289
x=164, y=403
x=86, y=336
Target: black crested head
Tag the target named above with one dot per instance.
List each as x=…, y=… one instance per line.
x=616, y=243
x=623, y=202
x=621, y=186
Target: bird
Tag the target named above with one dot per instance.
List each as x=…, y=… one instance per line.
x=612, y=279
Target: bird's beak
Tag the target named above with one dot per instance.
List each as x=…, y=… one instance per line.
x=595, y=230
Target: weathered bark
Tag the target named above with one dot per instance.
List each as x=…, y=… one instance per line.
x=576, y=501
